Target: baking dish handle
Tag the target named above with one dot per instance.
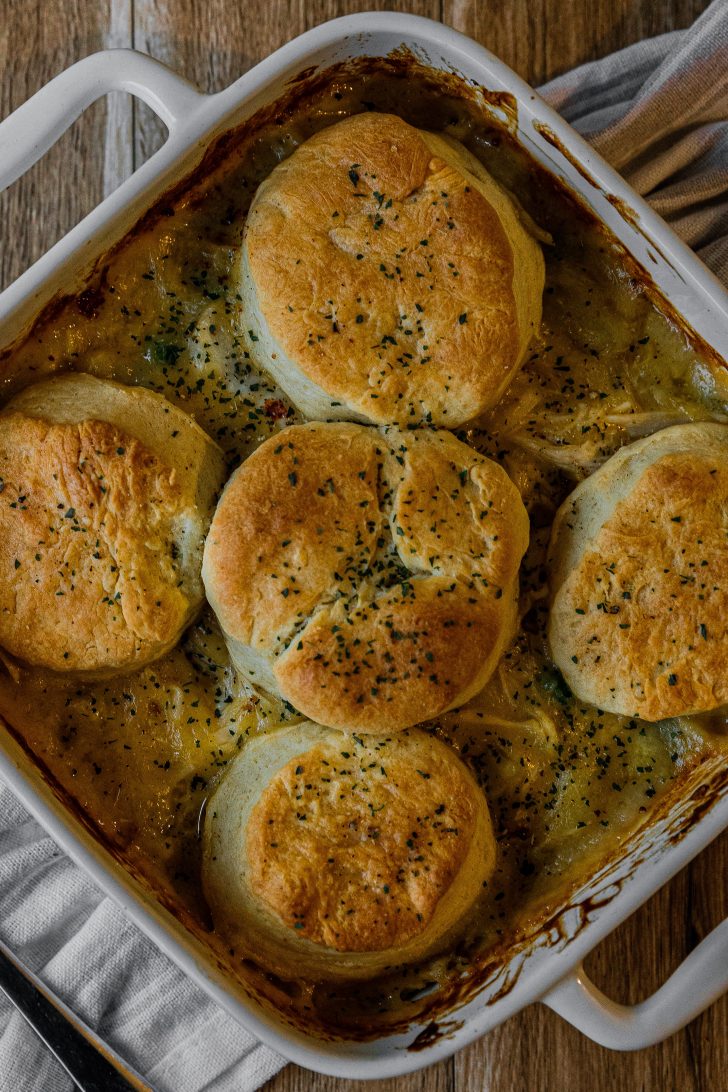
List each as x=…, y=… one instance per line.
x=34, y=127
x=699, y=981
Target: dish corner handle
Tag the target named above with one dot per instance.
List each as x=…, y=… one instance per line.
x=34, y=127
x=699, y=981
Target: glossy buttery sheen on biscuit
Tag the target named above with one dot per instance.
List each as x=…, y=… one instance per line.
x=386, y=276
x=368, y=577
x=639, y=577
x=107, y=492
x=329, y=855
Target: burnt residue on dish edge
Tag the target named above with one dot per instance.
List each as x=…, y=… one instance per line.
x=551, y=138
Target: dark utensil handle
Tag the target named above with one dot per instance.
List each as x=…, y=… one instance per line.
x=92, y=1065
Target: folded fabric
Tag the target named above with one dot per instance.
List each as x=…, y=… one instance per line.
x=658, y=111
x=91, y=955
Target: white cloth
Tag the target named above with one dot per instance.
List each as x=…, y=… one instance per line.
x=92, y=956
x=658, y=111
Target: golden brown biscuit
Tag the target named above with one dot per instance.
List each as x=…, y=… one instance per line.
x=386, y=277
x=368, y=577
x=107, y=492
x=639, y=577
x=332, y=856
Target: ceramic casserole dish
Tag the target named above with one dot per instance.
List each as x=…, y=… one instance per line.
x=548, y=967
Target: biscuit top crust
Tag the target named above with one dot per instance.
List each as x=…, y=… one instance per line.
x=397, y=279
x=88, y=575
x=354, y=846
x=376, y=570
x=640, y=624
x=300, y=515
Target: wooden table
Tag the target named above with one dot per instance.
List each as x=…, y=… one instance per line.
x=213, y=42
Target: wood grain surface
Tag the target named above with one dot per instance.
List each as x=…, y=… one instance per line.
x=212, y=42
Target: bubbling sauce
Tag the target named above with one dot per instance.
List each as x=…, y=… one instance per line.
x=566, y=783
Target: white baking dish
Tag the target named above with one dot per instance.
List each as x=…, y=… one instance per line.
x=548, y=968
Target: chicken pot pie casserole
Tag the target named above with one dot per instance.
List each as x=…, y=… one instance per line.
x=363, y=558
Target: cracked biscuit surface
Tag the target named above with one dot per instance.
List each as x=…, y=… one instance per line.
x=368, y=577
x=106, y=495
x=337, y=855
x=386, y=276
x=639, y=577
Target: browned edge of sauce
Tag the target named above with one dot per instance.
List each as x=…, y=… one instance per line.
x=551, y=138
x=630, y=217
x=505, y=103
x=435, y=1033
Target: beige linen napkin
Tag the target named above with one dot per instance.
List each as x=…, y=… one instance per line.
x=658, y=111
